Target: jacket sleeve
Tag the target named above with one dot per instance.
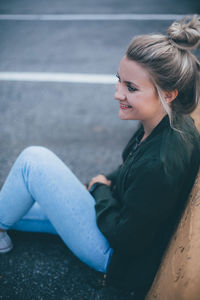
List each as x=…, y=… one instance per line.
x=147, y=201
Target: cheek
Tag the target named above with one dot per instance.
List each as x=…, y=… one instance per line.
x=133, y=99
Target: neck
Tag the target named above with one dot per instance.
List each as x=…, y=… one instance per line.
x=149, y=126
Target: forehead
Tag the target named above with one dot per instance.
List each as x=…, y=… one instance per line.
x=132, y=71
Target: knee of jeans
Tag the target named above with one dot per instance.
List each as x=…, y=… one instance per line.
x=34, y=153
x=33, y=160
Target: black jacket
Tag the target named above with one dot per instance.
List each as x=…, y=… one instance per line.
x=138, y=213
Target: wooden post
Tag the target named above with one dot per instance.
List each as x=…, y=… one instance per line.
x=178, y=277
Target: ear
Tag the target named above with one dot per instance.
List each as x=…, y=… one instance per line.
x=170, y=95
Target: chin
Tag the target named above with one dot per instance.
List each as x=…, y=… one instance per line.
x=123, y=116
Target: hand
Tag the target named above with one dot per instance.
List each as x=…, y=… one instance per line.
x=99, y=178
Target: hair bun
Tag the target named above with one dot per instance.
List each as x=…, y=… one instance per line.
x=185, y=34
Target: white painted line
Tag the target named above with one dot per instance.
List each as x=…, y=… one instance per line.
x=58, y=77
x=90, y=17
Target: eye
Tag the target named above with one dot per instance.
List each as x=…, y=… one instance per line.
x=131, y=88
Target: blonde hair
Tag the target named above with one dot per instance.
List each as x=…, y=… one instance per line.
x=171, y=64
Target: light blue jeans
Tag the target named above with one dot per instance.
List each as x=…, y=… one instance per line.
x=42, y=194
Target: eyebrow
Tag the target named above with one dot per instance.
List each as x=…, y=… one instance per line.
x=128, y=82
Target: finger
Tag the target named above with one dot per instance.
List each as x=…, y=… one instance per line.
x=90, y=184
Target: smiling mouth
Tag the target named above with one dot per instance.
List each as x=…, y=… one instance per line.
x=122, y=106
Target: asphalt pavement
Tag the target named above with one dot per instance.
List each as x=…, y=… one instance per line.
x=78, y=121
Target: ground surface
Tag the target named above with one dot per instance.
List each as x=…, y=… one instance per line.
x=77, y=121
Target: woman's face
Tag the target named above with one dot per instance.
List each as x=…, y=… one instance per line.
x=136, y=94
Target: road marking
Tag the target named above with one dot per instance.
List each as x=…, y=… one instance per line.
x=90, y=17
x=58, y=77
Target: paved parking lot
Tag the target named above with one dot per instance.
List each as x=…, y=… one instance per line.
x=77, y=120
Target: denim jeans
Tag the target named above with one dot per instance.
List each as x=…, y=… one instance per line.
x=42, y=194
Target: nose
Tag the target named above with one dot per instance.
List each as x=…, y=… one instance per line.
x=119, y=95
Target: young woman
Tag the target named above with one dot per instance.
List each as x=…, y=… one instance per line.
x=121, y=224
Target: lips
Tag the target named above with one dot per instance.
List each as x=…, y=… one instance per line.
x=122, y=106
